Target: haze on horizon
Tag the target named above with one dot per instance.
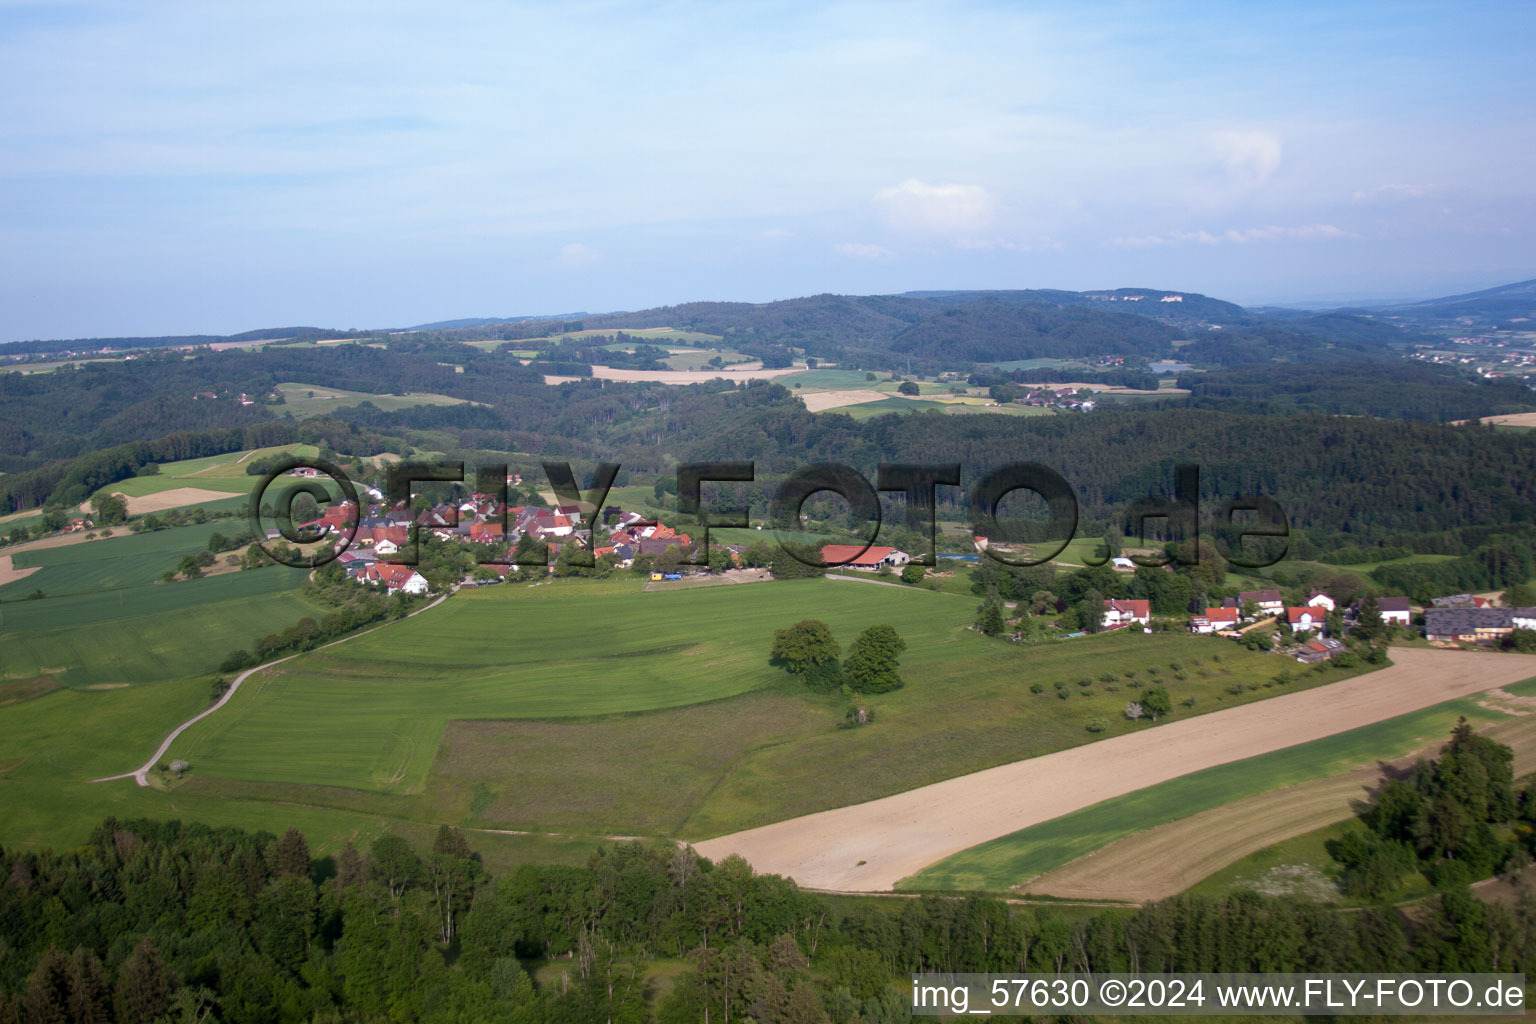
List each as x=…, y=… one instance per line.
x=170, y=168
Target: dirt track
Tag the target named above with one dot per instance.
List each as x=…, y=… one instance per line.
x=872, y=846
x=1166, y=860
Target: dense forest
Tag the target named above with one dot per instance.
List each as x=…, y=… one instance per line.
x=1396, y=390
x=1342, y=480
x=153, y=921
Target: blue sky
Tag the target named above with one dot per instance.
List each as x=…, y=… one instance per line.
x=191, y=167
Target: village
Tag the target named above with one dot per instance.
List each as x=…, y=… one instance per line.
x=1310, y=632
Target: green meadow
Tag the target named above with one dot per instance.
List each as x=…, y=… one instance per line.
x=51, y=746
x=107, y=620
x=213, y=472
x=593, y=706
x=306, y=400
x=148, y=633
x=124, y=560
x=1011, y=860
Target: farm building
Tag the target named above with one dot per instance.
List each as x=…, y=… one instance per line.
x=868, y=559
x=1468, y=625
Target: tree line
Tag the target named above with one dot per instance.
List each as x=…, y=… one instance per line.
x=151, y=920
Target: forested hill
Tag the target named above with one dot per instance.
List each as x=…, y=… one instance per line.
x=1508, y=305
x=927, y=330
x=1339, y=476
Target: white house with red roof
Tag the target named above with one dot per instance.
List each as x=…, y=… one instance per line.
x=1119, y=613
x=1306, y=619
x=1215, y=620
x=396, y=577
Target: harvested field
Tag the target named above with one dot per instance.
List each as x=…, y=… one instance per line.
x=872, y=846
x=821, y=401
x=10, y=574
x=176, y=497
x=1167, y=860
x=1512, y=419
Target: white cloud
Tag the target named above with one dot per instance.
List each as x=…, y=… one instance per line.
x=1238, y=236
x=1250, y=157
x=947, y=210
x=1300, y=232
x=865, y=251
x=777, y=233
x=575, y=256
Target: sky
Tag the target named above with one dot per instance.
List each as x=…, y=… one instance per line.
x=179, y=168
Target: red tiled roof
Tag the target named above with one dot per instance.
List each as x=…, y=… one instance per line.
x=850, y=554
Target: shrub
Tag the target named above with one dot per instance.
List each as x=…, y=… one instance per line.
x=1036, y=688
x=1096, y=725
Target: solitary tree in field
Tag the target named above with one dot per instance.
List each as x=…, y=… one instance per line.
x=907, y=387
x=1156, y=702
x=912, y=573
x=806, y=644
x=179, y=767
x=872, y=666
x=1134, y=710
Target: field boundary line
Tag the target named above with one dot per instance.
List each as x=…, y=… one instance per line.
x=141, y=774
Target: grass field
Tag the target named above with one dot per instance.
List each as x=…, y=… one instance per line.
x=833, y=379
x=214, y=473
x=1035, y=364
x=886, y=406
x=51, y=746
x=1012, y=860
x=149, y=633
x=305, y=400
x=503, y=708
x=123, y=561
x=1274, y=869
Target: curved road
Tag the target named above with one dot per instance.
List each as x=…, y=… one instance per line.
x=141, y=774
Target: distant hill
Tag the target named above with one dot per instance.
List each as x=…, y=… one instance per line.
x=449, y=325
x=952, y=329
x=1491, y=306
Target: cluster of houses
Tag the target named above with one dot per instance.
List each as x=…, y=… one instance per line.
x=1056, y=398
x=1459, y=618
x=1229, y=619
x=482, y=519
